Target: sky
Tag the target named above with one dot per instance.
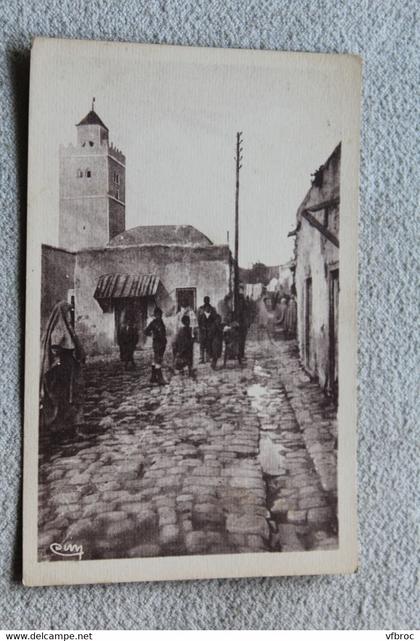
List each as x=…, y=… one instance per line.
x=175, y=117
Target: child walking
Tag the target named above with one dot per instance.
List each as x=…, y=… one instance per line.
x=157, y=330
x=183, y=347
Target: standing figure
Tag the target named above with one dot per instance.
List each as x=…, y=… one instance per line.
x=127, y=337
x=232, y=339
x=280, y=312
x=216, y=340
x=61, y=384
x=206, y=318
x=291, y=315
x=262, y=319
x=183, y=347
x=156, y=328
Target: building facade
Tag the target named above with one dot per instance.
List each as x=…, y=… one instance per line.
x=317, y=274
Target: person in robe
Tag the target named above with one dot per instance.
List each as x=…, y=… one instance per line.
x=232, y=340
x=61, y=383
x=206, y=317
x=280, y=312
x=216, y=340
x=156, y=328
x=291, y=315
x=262, y=318
x=183, y=347
x=127, y=337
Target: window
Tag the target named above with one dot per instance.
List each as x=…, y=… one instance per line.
x=117, y=194
x=116, y=178
x=79, y=173
x=186, y=296
x=91, y=143
x=88, y=173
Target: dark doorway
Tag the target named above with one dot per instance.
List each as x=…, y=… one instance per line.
x=308, y=322
x=334, y=289
x=131, y=310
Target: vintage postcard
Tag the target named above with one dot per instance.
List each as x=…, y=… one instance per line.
x=190, y=392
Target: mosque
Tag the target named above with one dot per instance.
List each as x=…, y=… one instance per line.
x=109, y=272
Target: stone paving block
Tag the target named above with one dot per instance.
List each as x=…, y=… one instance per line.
x=247, y=525
x=196, y=542
x=61, y=523
x=314, y=501
x=55, y=475
x=121, y=529
x=281, y=506
x=168, y=534
x=167, y=516
x=96, y=509
x=207, y=514
x=67, y=498
x=296, y=516
x=255, y=542
x=113, y=517
x=85, y=528
x=288, y=538
x=320, y=514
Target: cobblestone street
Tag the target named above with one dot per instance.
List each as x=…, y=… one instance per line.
x=238, y=460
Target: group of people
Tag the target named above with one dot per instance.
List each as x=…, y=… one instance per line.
x=285, y=314
x=208, y=328
x=62, y=355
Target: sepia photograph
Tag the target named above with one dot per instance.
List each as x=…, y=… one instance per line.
x=190, y=390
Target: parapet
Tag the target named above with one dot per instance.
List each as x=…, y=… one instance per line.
x=116, y=153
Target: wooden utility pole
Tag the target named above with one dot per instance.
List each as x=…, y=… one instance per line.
x=238, y=162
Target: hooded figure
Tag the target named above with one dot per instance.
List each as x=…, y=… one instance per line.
x=216, y=341
x=232, y=339
x=291, y=318
x=61, y=383
x=281, y=312
x=128, y=337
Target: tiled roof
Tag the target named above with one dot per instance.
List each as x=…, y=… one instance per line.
x=112, y=286
x=92, y=118
x=162, y=235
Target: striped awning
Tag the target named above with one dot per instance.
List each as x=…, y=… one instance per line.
x=111, y=286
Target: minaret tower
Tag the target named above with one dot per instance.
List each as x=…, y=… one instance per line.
x=92, y=187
